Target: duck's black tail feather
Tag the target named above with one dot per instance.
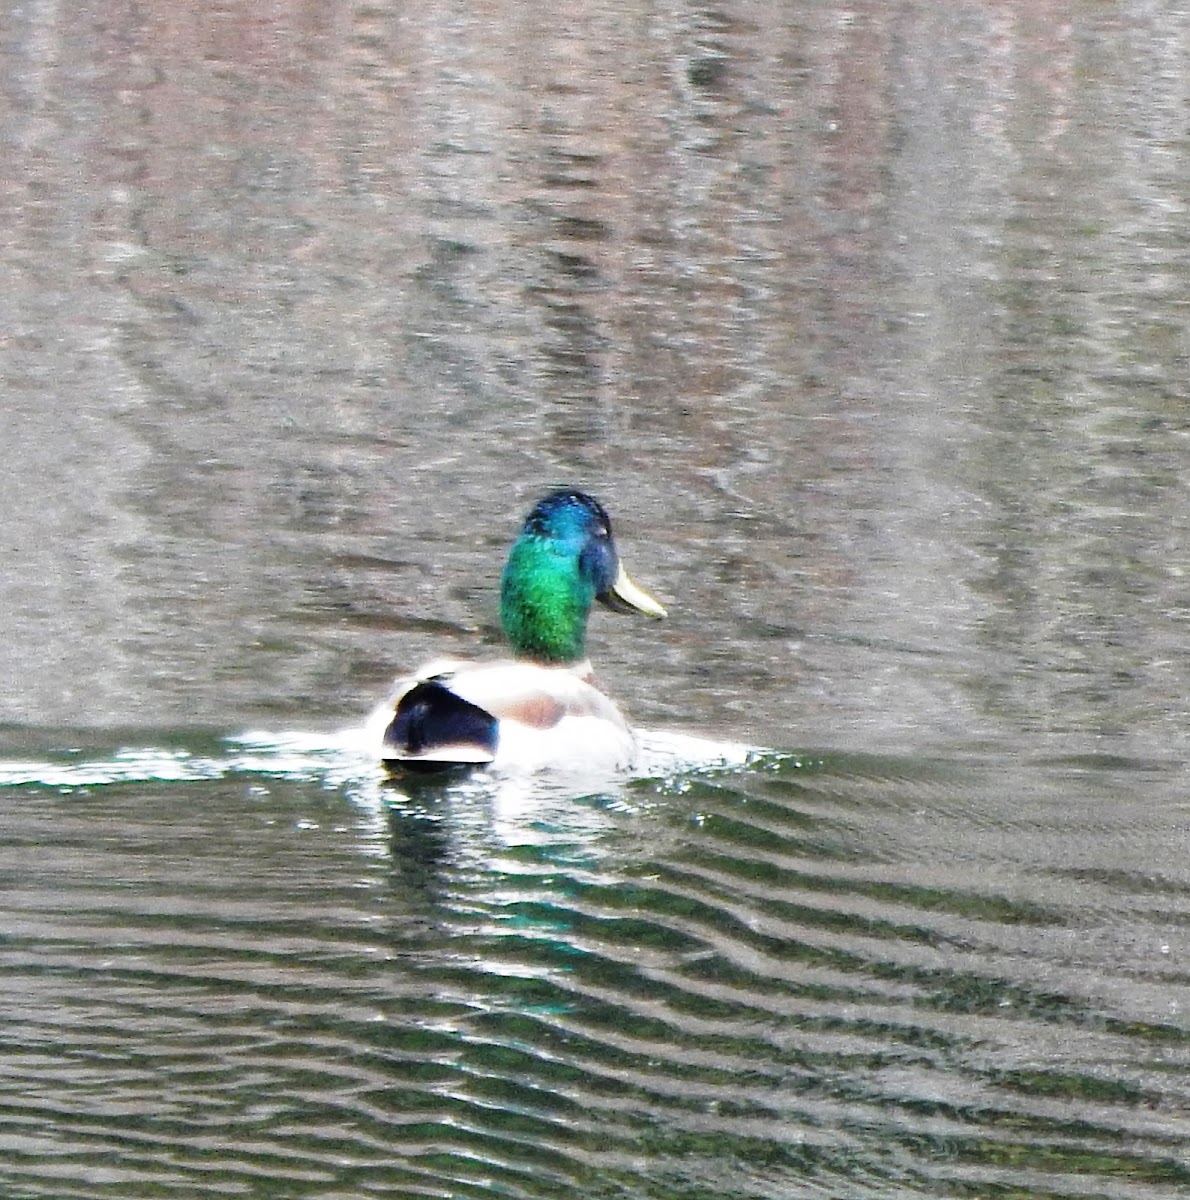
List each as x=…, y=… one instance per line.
x=434, y=729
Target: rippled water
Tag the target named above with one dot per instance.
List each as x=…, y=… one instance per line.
x=868, y=325
x=255, y=967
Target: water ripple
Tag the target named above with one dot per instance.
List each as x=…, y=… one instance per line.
x=255, y=967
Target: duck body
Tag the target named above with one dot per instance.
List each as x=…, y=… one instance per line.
x=541, y=708
x=505, y=715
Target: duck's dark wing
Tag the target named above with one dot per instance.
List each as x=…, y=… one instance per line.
x=433, y=728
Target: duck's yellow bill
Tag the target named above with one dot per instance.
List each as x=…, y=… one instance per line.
x=625, y=596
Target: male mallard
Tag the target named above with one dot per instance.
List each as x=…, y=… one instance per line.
x=540, y=708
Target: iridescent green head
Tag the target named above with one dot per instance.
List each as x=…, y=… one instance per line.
x=563, y=561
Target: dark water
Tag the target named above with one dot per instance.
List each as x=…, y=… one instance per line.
x=836, y=976
x=869, y=325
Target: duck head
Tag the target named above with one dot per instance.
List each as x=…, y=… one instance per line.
x=563, y=561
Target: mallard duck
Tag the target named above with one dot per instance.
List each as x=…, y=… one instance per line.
x=541, y=708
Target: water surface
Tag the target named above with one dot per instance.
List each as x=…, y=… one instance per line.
x=868, y=324
x=269, y=972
